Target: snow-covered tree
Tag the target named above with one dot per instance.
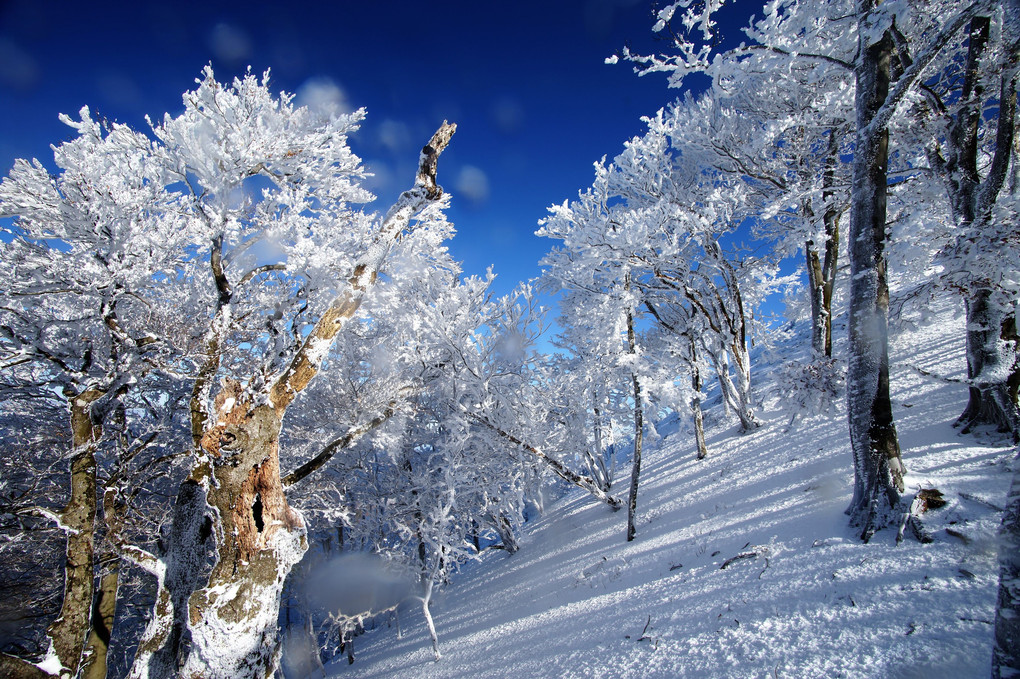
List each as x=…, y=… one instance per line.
x=660, y=214
x=83, y=257
x=243, y=206
x=449, y=462
x=969, y=112
x=887, y=48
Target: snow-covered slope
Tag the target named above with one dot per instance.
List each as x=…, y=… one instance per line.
x=803, y=597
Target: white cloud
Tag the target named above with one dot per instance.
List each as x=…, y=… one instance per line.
x=230, y=43
x=394, y=136
x=323, y=95
x=473, y=184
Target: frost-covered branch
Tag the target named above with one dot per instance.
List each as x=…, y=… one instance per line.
x=305, y=364
x=555, y=465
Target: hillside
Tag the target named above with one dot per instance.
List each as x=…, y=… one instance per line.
x=743, y=565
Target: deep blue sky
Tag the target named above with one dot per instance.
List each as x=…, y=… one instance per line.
x=525, y=81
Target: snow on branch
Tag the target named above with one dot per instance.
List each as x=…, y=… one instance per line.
x=557, y=467
x=306, y=362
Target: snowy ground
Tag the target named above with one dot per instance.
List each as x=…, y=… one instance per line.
x=579, y=601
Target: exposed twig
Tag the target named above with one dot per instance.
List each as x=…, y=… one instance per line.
x=644, y=633
x=752, y=554
x=940, y=378
x=958, y=535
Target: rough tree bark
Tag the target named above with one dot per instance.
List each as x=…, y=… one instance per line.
x=990, y=339
x=1006, y=652
x=103, y=610
x=68, y=633
x=993, y=366
x=878, y=468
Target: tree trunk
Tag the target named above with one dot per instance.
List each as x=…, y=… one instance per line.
x=991, y=332
x=699, y=421
x=878, y=469
x=78, y=519
x=506, y=533
x=103, y=612
x=821, y=281
x=228, y=627
x=599, y=469
x=993, y=366
x=745, y=408
x=68, y=633
x=639, y=427
x=721, y=363
x=166, y=639
x=259, y=538
x=735, y=399
x=816, y=292
x=426, y=599
x=1006, y=652
x=830, y=221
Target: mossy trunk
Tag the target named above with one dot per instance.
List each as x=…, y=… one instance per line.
x=78, y=519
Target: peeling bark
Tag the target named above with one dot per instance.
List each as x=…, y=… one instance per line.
x=232, y=619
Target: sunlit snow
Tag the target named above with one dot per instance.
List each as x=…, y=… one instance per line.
x=806, y=600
